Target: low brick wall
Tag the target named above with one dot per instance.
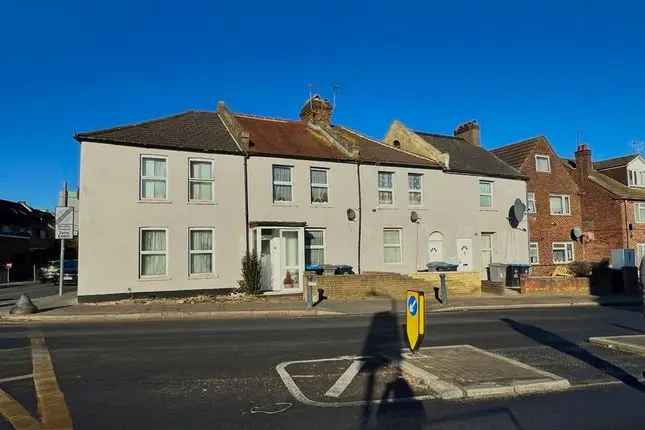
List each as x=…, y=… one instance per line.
x=394, y=285
x=458, y=283
x=554, y=285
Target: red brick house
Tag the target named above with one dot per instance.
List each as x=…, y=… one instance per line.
x=553, y=198
x=613, y=203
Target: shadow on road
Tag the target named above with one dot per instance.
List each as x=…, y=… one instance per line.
x=626, y=327
x=565, y=346
x=382, y=350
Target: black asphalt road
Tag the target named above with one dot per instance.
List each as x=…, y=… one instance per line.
x=9, y=295
x=219, y=374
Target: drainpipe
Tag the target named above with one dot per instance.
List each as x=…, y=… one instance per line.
x=626, y=222
x=360, y=213
x=246, y=203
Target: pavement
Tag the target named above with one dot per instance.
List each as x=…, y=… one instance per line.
x=631, y=343
x=66, y=309
x=226, y=374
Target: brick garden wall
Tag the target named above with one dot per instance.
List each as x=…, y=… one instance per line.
x=458, y=283
x=553, y=285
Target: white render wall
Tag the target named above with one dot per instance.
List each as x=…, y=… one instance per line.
x=112, y=215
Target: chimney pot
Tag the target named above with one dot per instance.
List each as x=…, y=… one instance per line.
x=469, y=131
x=584, y=165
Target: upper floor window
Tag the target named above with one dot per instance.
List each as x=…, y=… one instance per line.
x=282, y=184
x=485, y=194
x=154, y=178
x=636, y=178
x=200, y=180
x=531, y=207
x=415, y=192
x=319, y=185
x=639, y=215
x=543, y=163
x=153, y=252
x=560, y=204
x=385, y=188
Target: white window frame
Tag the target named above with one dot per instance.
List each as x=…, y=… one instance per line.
x=640, y=253
x=566, y=209
x=535, y=245
x=192, y=252
x=323, y=246
x=317, y=185
x=384, y=189
x=491, y=193
x=399, y=245
x=530, y=197
x=284, y=183
x=569, y=256
x=637, y=216
x=142, y=252
x=211, y=180
x=156, y=178
x=548, y=163
x=415, y=191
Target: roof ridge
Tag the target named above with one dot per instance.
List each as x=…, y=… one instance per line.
x=264, y=117
x=519, y=142
x=448, y=136
x=137, y=124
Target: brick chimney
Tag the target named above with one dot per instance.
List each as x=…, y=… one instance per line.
x=583, y=162
x=469, y=131
x=317, y=110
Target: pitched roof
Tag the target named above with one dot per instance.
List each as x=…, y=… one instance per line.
x=614, y=162
x=189, y=131
x=618, y=189
x=468, y=158
x=515, y=153
x=20, y=214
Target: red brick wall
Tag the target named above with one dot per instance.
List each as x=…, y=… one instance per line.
x=554, y=285
x=545, y=228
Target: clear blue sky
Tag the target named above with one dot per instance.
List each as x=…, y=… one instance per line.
x=521, y=68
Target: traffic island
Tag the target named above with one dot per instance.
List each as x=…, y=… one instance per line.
x=464, y=371
x=632, y=343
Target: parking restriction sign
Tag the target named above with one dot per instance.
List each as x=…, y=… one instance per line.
x=64, y=223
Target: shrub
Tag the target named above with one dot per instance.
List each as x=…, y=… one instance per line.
x=581, y=268
x=251, y=274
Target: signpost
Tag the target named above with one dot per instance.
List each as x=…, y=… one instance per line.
x=64, y=230
x=8, y=266
x=415, y=318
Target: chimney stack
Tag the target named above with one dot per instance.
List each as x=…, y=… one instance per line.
x=317, y=110
x=469, y=131
x=584, y=166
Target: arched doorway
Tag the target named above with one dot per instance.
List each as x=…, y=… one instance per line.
x=435, y=247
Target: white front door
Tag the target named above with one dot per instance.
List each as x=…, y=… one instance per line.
x=487, y=254
x=465, y=254
x=276, y=270
x=435, y=247
x=290, y=258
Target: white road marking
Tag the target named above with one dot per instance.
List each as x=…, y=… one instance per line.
x=17, y=378
x=345, y=379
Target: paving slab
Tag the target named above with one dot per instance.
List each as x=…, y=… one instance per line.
x=466, y=371
x=631, y=343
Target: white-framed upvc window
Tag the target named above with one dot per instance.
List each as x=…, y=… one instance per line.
x=153, y=178
x=531, y=206
x=636, y=178
x=392, y=249
x=562, y=252
x=640, y=253
x=639, y=213
x=560, y=204
x=319, y=181
x=314, y=246
x=415, y=189
x=201, y=251
x=153, y=252
x=543, y=163
x=534, y=253
x=485, y=194
x=386, y=188
x=201, y=180
x=282, y=184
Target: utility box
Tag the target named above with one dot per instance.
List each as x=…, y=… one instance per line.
x=623, y=257
x=497, y=272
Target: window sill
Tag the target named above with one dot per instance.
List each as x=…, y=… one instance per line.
x=388, y=207
x=562, y=263
x=417, y=208
x=154, y=278
x=202, y=276
x=200, y=203
x=157, y=202
x=285, y=205
x=320, y=205
x=560, y=214
x=488, y=210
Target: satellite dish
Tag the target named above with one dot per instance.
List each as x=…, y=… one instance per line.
x=576, y=232
x=519, y=209
x=351, y=214
x=414, y=216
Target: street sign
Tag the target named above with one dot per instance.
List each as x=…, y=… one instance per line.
x=64, y=223
x=415, y=319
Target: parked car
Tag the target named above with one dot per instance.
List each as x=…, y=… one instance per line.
x=48, y=272
x=441, y=266
x=70, y=273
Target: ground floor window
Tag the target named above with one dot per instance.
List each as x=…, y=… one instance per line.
x=201, y=250
x=534, y=254
x=562, y=252
x=314, y=247
x=392, y=246
x=153, y=252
